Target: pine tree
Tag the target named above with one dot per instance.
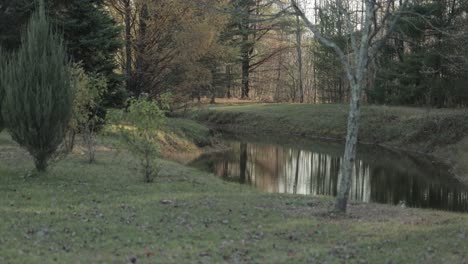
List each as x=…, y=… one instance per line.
x=93, y=39
x=38, y=91
x=242, y=30
x=250, y=22
x=90, y=34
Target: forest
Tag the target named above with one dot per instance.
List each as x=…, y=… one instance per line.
x=254, y=49
x=233, y=131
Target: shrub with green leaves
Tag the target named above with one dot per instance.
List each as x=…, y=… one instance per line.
x=38, y=91
x=138, y=127
x=89, y=91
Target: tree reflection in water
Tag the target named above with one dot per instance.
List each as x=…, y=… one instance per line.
x=379, y=175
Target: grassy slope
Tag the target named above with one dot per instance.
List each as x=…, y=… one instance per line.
x=439, y=132
x=181, y=139
x=103, y=213
x=189, y=130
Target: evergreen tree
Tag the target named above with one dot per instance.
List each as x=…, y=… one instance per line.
x=38, y=91
x=425, y=62
x=90, y=34
x=93, y=39
x=13, y=14
x=249, y=23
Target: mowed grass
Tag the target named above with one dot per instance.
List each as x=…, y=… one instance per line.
x=104, y=213
x=419, y=128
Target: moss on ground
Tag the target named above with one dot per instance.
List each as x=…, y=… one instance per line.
x=104, y=213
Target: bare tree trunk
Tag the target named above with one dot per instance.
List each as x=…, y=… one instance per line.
x=69, y=140
x=213, y=94
x=245, y=71
x=355, y=79
x=315, y=83
x=225, y=169
x=299, y=57
x=140, y=60
x=278, y=80
x=229, y=81
x=128, y=45
x=350, y=149
x=41, y=162
x=89, y=138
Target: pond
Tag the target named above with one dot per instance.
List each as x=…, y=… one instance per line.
x=312, y=167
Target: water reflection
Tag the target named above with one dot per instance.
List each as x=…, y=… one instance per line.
x=378, y=176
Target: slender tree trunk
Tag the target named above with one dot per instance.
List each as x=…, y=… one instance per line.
x=350, y=149
x=41, y=162
x=128, y=45
x=69, y=140
x=245, y=72
x=140, y=68
x=245, y=50
x=225, y=169
x=89, y=139
x=356, y=81
x=278, y=78
x=213, y=95
x=299, y=57
x=315, y=82
x=229, y=81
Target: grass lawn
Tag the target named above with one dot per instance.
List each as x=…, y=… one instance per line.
x=104, y=213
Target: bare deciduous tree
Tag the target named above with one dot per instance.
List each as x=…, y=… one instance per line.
x=368, y=24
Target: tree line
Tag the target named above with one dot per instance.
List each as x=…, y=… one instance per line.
x=255, y=49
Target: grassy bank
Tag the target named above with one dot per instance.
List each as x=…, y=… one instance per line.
x=440, y=132
x=180, y=140
x=183, y=140
x=103, y=213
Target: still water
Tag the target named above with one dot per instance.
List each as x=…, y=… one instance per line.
x=312, y=168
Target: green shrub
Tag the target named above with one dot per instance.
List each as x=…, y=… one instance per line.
x=89, y=91
x=38, y=91
x=138, y=127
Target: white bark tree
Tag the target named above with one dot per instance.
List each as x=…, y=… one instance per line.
x=368, y=24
